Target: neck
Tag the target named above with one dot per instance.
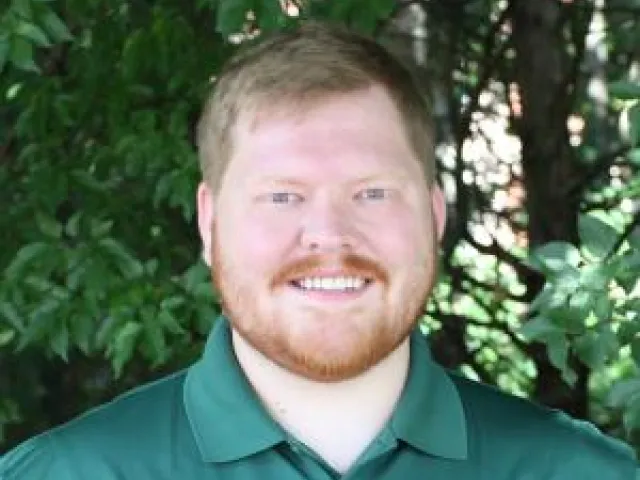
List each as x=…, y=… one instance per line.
x=336, y=420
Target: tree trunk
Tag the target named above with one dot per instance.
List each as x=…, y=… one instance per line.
x=544, y=73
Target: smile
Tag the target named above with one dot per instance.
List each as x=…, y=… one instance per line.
x=332, y=284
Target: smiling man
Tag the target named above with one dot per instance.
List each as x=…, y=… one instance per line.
x=320, y=219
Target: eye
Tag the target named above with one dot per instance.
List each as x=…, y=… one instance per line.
x=284, y=198
x=372, y=194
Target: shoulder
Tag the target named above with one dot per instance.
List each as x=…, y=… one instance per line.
x=546, y=439
x=132, y=424
x=32, y=460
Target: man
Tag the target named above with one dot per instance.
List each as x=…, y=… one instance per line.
x=320, y=219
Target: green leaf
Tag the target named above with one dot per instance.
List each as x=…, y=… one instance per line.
x=60, y=342
x=340, y=11
x=595, y=277
x=595, y=348
x=625, y=269
x=364, y=20
x=121, y=348
x=128, y=265
x=100, y=228
x=155, y=342
x=73, y=225
x=33, y=33
x=172, y=302
x=602, y=306
x=633, y=115
x=627, y=332
x=231, y=16
x=25, y=256
x=596, y=237
x=541, y=302
x=623, y=392
x=55, y=27
x=539, y=328
x=6, y=337
x=558, y=349
x=554, y=257
x=48, y=225
x=634, y=156
x=10, y=314
x=170, y=323
x=635, y=350
x=581, y=302
x=23, y=8
x=81, y=329
x=21, y=55
x=631, y=415
x=4, y=52
x=270, y=16
x=624, y=90
x=634, y=239
x=383, y=8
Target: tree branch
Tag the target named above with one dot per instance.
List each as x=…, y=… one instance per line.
x=497, y=290
x=601, y=165
x=626, y=234
x=497, y=251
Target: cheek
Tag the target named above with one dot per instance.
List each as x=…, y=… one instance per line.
x=400, y=239
x=255, y=244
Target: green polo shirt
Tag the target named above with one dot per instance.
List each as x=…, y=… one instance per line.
x=207, y=423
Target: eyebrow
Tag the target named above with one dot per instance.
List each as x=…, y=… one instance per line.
x=289, y=181
x=295, y=182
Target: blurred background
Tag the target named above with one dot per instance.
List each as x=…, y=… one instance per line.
x=537, y=107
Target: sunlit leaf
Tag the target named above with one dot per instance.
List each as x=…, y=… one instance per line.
x=539, y=328
x=595, y=348
x=555, y=256
x=596, y=237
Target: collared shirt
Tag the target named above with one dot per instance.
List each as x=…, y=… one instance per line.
x=207, y=423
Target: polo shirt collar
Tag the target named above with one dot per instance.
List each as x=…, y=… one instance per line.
x=229, y=421
x=226, y=416
x=430, y=415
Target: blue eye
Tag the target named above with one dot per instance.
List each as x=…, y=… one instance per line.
x=283, y=198
x=372, y=194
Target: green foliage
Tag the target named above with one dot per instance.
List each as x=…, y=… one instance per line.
x=25, y=26
x=590, y=305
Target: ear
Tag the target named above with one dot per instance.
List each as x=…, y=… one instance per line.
x=205, y=201
x=439, y=210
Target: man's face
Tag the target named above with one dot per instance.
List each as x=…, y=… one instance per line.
x=323, y=236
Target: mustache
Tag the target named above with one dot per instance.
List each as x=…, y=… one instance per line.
x=350, y=265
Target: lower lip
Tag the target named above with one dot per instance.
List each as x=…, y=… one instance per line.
x=331, y=295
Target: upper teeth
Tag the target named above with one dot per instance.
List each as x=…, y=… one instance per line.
x=332, y=283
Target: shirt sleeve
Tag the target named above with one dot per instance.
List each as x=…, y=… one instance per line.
x=32, y=460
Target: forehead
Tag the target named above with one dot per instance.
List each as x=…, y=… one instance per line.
x=355, y=133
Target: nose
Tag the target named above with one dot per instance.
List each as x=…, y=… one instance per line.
x=327, y=229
